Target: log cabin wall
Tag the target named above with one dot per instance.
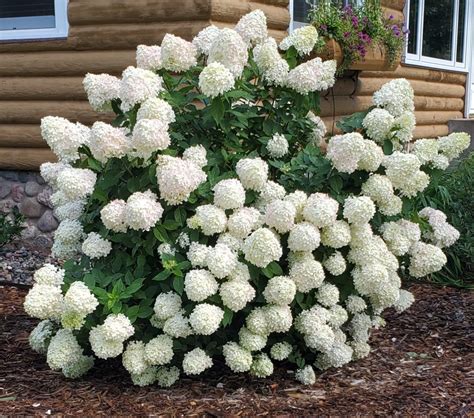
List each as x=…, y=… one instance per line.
x=45, y=77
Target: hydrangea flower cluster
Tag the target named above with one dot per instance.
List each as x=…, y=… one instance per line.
x=208, y=224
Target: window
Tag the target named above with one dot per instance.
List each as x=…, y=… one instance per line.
x=299, y=9
x=438, y=33
x=33, y=19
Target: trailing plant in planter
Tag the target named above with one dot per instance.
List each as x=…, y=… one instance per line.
x=207, y=223
x=358, y=29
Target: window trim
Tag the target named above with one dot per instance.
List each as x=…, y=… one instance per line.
x=420, y=60
x=60, y=30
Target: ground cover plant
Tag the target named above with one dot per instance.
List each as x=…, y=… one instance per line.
x=209, y=221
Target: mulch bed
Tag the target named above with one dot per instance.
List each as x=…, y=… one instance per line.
x=421, y=365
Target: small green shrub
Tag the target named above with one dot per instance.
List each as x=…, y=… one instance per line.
x=11, y=226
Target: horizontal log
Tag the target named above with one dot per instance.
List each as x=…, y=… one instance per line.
x=368, y=85
x=84, y=12
x=65, y=63
x=430, y=131
x=275, y=33
x=283, y=3
x=415, y=73
x=42, y=88
x=21, y=136
x=438, y=103
x=397, y=15
x=27, y=112
x=230, y=11
x=394, y=4
x=111, y=36
x=436, y=117
x=25, y=158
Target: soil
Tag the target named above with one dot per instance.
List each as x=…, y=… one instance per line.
x=421, y=365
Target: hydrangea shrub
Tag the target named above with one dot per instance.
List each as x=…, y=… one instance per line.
x=209, y=221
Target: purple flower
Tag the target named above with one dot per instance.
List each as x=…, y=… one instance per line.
x=347, y=34
x=323, y=28
x=355, y=21
x=396, y=30
x=391, y=17
x=364, y=37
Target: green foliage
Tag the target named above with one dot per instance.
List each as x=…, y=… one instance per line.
x=11, y=226
x=357, y=28
x=451, y=192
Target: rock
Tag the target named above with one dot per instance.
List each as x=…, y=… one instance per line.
x=25, y=176
x=17, y=192
x=9, y=175
x=29, y=232
x=6, y=206
x=40, y=180
x=47, y=222
x=43, y=241
x=44, y=197
x=31, y=208
x=5, y=188
x=32, y=188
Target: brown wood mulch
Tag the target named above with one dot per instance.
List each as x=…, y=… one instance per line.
x=421, y=365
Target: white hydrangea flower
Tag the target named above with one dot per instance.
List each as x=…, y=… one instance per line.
x=177, y=178
x=405, y=300
x=306, y=375
x=50, y=172
x=237, y=358
x=307, y=274
x=76, y=183
x=327, y=294
x=311, y=76
x=337, y=316
x=165, y=249
x=149, y=57
x=404, y=126
x=79, y=367
x=112, y=215
x=71, y=210
x=101, y=346
x=321, y=210
x=358, y=210
x=199, y=285
x=319, y=128
x=205, y=38
x=64, y=137
x=360, y=327
x=148, y=377
x=425, y=259
x=229, y=194
x=425, y=149
x=309, y=319
x=378, y=124
x=137, y=86
x=400, y=235
x=396, y=96
x=142, y=211
x=205, y=318
x=337, y=356
x=336, y=235
x=262, y=366
x=197, y=254
x=240, y=271
x=156, y=108
x=442, y=234
x=149, y=135
x=167, y=376
x=133, y=358
x=230, y=50
x=44, y=301
x=345, y=151
x=101, y=89
x=302, y=39
x=63, y=350
x=196, y=361
x=280, y=290
x=440, y=162
x=167, y=305
x=216, y=79
x=280, y=215
x=221, y=260
x=159, y=350
x=94, y=246
x=262, y=247
x=196, y=154
x=117, y=327
x=252, y=172
x=355, y=304
x=256, y=321
x=454, y=144
x=278, y=318
x=41, y=335
x=299, y=199
x=270, y=192
x=370, y=279
x=49, y=274
x=379, y=188
x=251, y=341
x=304, y=237
x=177, y=326
x=281, y=351
x=79, y=299
x=277, y=146
x=236, y=294
x=335, y=264
x=371, y=158
x=243, y=221
x=252, y=27
x=64, y=251
x=108, y=142
x=69, y=232
x=274, y=68
x=177, y=54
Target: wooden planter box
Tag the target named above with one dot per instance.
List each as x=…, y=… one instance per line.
x=375, y=59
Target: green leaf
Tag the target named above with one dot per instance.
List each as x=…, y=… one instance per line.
x=163, y=275
x=353, y=122
x=178, y=285
x=227, y=319
x=217, y=109
x=387, y=147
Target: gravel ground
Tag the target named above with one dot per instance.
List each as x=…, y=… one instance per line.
x=421, y=365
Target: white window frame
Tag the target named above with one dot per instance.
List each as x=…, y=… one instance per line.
x=60, y=29
x=420, y=60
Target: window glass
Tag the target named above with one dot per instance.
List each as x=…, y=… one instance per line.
x=438, y=29
x=26, y=14
x=300, y=10
x=413, y=26
x=461, y=29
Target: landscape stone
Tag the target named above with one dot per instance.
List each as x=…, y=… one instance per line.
x=5, y=188
x=47, y=222
x=32, y=188
x=17, y=192
x=43, y=241
x=31, y=208
x=9, y=175
x=44, y=197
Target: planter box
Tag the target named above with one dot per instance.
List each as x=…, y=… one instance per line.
x=375, y=59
